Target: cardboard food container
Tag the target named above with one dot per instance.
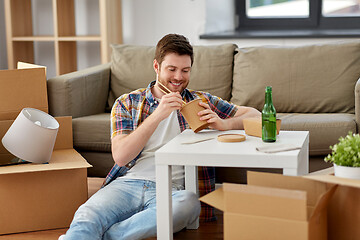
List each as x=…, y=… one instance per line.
x=344, y=207
x=37, y=196
x=273, y=206
x=252, y=126
x=190, y=112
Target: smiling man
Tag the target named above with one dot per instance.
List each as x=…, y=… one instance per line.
x=141, y=122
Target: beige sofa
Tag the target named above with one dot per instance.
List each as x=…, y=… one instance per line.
x=315, y=88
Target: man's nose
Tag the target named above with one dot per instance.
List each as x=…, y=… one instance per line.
x=178, y=75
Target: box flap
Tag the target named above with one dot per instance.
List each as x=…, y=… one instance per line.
x=24, y=65
x=265, y=201
x=60, y=160
x=64, y=138
x=214, y=198
x=335, y=180
x=4, y=126
x=22, y=88
x=323, y=202
x=313, y=188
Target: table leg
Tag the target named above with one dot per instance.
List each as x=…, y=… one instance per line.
x=304, y=158
x=303, y=163
x=191, y=184
x=164, y=217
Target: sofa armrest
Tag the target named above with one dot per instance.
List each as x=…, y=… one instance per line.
x=357, y=104
x=79, y=93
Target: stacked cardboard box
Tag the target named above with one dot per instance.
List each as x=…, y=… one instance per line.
x=37, y=196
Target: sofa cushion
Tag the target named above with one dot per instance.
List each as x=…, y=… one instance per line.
x=324, y=129
x=92, y=133
x=328, y=72
x=212, y=70
x=132, y=68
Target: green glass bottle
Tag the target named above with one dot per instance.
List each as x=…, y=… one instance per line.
x=268, y=116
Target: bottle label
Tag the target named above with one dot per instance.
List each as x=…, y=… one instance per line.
x=269, y=129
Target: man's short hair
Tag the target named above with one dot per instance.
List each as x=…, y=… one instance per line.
x=173, y=43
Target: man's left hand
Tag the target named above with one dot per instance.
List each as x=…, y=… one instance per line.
x=215, y=122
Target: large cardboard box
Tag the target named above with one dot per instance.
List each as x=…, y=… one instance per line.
x=273, y=206
x=43, y=196
x=344, y=206
x=37, y=196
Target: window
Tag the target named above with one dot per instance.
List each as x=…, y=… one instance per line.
x=277, y=9
x=298, y=14
x=293, y=18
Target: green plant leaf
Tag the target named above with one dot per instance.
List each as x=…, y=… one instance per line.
x=346, y=152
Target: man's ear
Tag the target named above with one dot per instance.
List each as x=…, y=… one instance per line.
x=156, y=66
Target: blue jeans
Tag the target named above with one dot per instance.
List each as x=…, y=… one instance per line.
x=126, y=209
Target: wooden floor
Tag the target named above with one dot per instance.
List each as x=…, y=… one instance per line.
x=206, y=231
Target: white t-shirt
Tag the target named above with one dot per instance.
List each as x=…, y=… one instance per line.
x=145, y=165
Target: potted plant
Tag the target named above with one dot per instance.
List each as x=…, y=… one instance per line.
x=345, y=156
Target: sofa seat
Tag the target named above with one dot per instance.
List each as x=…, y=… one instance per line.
x=324, y=129
x=92, y=133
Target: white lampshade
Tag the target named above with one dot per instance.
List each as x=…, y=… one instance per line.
x=32, y=136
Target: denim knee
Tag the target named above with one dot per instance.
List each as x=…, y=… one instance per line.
x=90, y=216
x=193, y=201
x=187, y=205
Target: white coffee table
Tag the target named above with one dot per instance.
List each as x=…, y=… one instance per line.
x=220, y=154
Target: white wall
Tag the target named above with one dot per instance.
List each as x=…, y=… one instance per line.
x=144, y=23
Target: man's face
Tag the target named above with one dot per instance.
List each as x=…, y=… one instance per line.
x=174, y=71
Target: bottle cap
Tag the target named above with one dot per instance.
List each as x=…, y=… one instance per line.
x=268, y=88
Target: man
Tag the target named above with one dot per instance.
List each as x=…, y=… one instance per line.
x=141, y=122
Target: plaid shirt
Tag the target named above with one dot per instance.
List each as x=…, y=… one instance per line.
x=131, y=109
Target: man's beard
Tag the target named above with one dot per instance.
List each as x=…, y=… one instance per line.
x=169, y=85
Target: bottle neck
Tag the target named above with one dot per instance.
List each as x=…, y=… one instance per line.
x=268, y=97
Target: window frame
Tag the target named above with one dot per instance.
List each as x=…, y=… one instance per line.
x=315, y=20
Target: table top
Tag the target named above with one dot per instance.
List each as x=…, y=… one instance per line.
x=233, y=154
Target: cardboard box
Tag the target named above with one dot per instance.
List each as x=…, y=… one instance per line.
x=344, y=207
x=273, y=206
x=37, y=196
x=253, y=126
x=43, y=196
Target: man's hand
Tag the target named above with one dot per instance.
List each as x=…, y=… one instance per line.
x=168, y=103
x=235, y=122
x=127, y=146
x=215, y=122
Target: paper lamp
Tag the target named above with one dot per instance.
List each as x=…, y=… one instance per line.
x=32, y=136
